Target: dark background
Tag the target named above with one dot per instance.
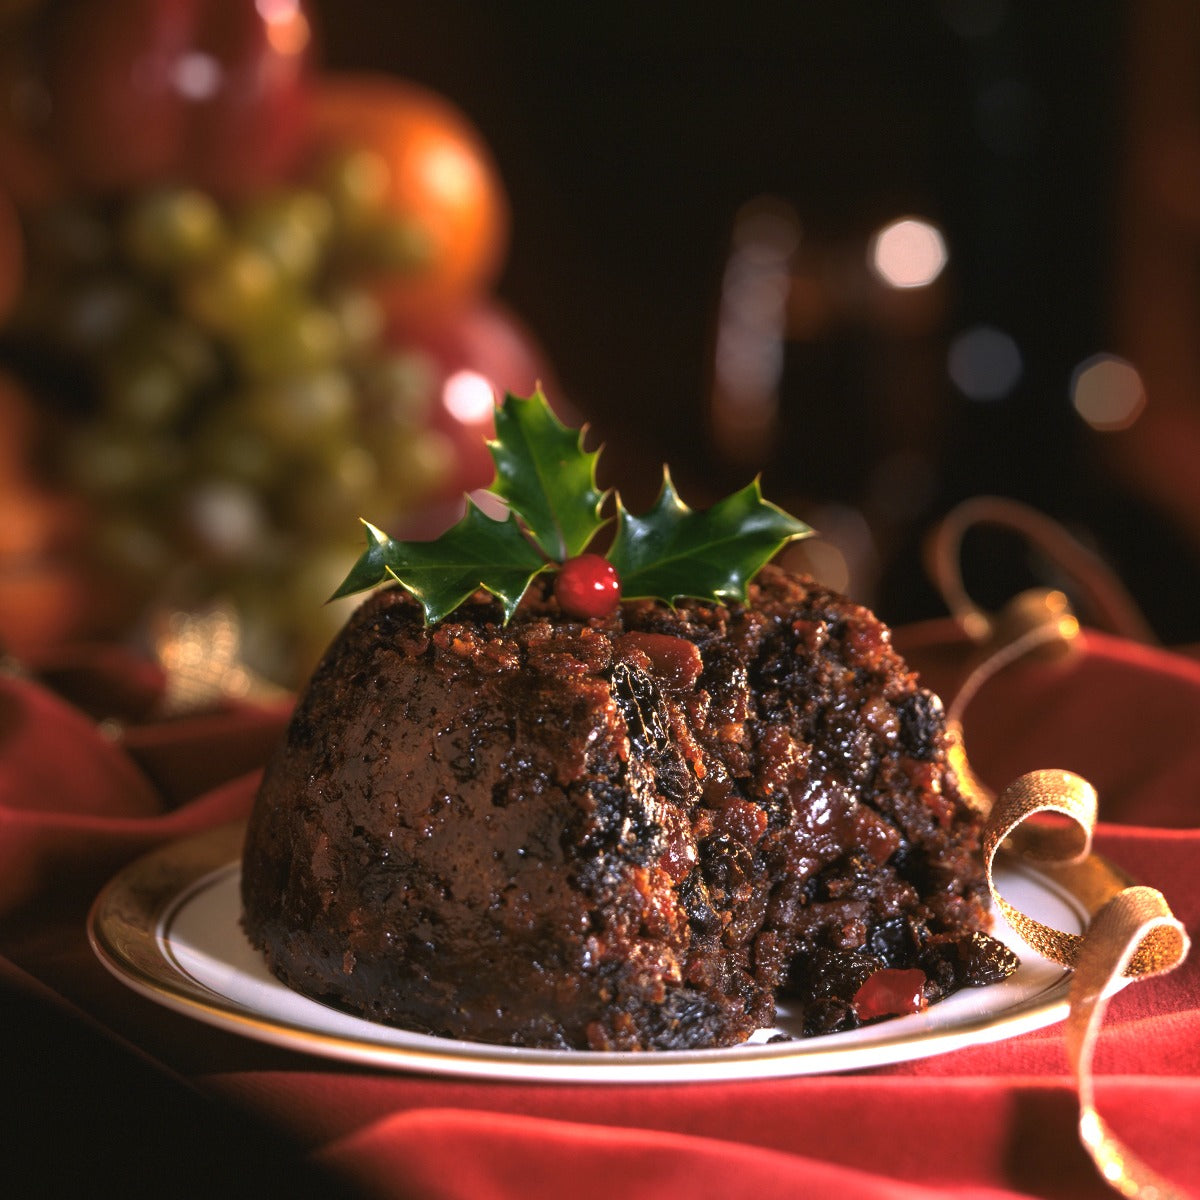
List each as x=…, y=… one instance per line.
x=629, y=136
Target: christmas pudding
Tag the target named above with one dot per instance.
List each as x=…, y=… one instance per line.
x=539, y=797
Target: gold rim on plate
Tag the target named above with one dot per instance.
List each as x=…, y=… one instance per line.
x=139, y=929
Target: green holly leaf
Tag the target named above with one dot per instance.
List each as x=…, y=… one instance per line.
x=477, y=552
x=371, y=569
x=546, y=476
x=674, y=551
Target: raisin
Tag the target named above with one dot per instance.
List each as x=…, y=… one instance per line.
x=828, y=1016
x=893, y=941
x=973, y=961
x=920, y=723
x=697, y=903
x=985, y=960
x=641, y=705
x=726, y=862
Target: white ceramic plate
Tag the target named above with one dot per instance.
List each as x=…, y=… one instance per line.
x=168, y=927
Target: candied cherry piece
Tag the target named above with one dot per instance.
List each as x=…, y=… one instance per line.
x=675, y=660
x=588, y=586
x=890, y=992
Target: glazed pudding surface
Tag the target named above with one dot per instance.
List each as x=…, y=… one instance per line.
x=626, y=833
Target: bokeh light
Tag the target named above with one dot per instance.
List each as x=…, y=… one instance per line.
x=908, y=253
x=751, y=325
x=1108, y=392
x=984, y=363
x=197, y=76
x=287, y=27
x=469, y=397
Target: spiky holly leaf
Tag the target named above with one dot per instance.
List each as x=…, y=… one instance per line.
x=477, y=552
x=674, y=551
x=371, y=569
x=546, y=476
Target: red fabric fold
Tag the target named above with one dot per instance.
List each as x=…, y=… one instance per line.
x=83, y=792
x=988, y=1126
x=447, y=1154
x=89, y=778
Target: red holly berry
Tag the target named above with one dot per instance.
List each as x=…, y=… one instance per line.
x=587, y=586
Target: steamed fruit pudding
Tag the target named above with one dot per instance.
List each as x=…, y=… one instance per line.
x=540, y=796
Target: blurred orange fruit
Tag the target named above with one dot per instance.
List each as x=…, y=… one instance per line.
x=428, y=189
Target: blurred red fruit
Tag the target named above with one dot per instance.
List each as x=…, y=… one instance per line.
x=205, y=92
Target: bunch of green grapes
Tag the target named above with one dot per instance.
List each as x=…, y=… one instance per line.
x=236, y=404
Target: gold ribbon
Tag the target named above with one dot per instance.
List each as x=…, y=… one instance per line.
x=1131, y=932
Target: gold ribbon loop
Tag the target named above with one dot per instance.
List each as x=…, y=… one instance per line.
x=1048, y=817
x=1134, y=934
x=1066, y=842
x=1037, y=795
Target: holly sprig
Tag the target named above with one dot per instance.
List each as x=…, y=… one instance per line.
x=555, y=512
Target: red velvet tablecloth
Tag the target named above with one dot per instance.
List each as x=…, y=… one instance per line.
x=105, y=1089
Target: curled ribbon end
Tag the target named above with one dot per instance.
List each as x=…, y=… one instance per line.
x=1131, y=934
x=1134, y=935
